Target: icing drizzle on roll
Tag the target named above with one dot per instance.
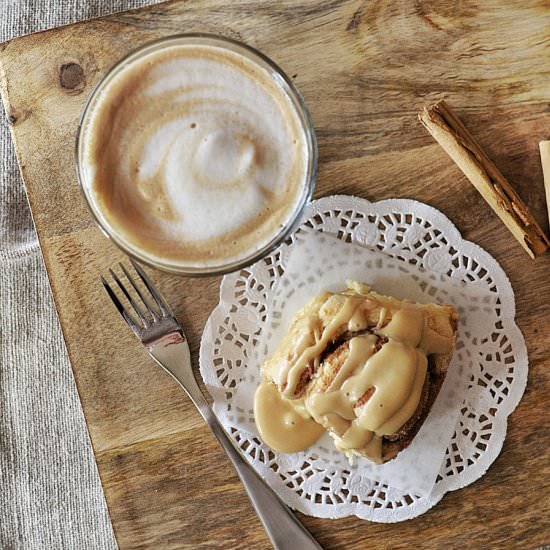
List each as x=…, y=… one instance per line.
x=370, y=388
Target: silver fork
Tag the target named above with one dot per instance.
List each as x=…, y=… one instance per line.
x=155, y=325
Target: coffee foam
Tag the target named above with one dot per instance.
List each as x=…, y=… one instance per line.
x=195, y=155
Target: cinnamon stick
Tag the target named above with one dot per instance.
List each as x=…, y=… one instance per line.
x=447, y=129
x=544, y=147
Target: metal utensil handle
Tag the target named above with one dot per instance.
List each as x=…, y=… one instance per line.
x=162, y=335
x=282, y=527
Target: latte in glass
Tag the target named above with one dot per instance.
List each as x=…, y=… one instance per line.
x=196, y=154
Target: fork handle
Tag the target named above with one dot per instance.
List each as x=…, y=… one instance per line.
x=282, y=527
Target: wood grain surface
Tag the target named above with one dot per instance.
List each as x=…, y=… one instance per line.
x=365, y=70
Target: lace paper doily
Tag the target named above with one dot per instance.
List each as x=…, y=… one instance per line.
x=417, y=235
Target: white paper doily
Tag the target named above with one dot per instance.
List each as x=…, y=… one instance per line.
x=416, y=234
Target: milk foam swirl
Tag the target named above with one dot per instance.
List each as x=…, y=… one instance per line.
x=196, y=154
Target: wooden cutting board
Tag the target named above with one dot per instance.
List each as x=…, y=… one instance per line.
x=365, y=68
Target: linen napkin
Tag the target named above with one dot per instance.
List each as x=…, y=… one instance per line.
x=50, y=493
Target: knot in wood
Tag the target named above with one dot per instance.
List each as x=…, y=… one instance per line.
x=71, y=77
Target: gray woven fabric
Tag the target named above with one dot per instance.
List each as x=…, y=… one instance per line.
x=50, y=494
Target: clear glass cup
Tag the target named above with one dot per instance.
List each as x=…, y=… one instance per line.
x=282, y=81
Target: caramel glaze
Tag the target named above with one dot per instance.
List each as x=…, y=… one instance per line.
x=372, y=393
x=284, y=425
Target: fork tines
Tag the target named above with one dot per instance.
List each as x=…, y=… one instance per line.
x=146, y=312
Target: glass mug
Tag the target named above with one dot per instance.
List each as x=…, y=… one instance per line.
x=300, y=113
